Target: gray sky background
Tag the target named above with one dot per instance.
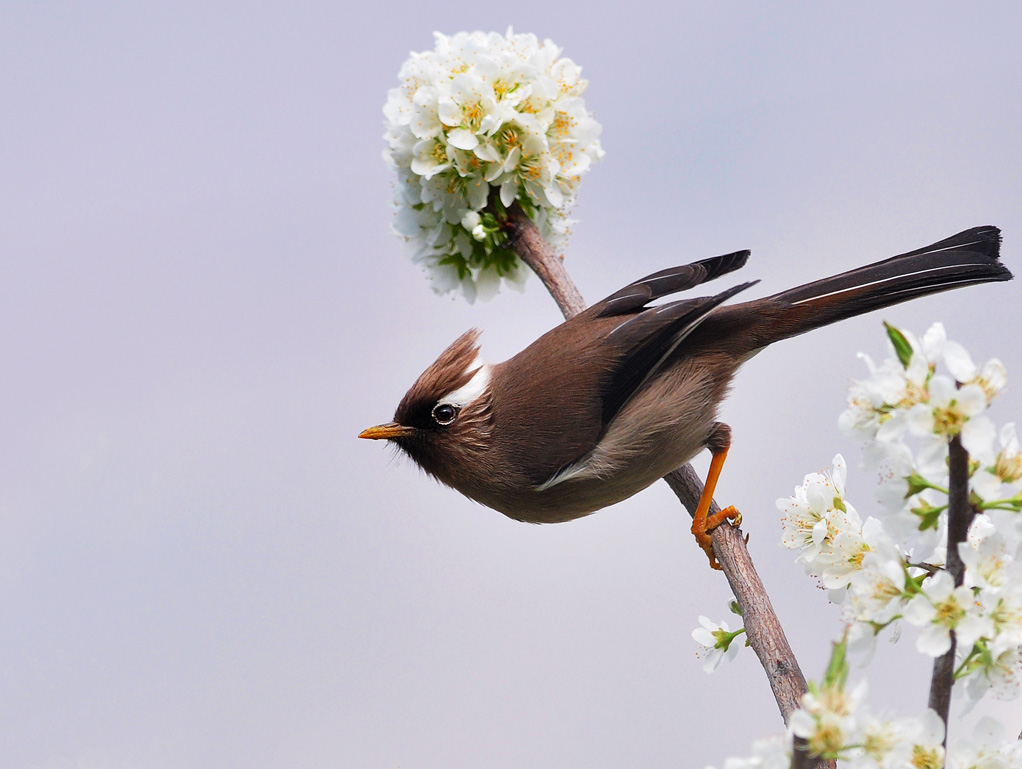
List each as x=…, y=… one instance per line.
x=201, y=305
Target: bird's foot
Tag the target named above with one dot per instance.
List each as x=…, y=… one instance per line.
x=701, y=528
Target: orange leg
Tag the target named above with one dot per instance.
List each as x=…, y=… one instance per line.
x=703, y=523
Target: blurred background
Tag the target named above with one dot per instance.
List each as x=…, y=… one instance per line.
x=201, y=305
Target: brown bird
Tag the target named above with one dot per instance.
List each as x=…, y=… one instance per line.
x=609, y=401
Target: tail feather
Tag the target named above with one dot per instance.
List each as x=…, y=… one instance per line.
x=963, y=259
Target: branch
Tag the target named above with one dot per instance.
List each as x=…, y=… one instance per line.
x=960, y=513
x=533, y=249
x=766, y=636
x=761, y=624
x=802, y=759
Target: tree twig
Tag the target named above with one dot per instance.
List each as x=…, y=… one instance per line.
x=766, y=636
x=531, y=247
x=762, y=627
x=802, y=759
x=960, y=513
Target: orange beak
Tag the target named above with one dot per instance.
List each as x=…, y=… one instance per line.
x=388, y=431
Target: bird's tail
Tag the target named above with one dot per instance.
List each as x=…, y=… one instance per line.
x=961, y=260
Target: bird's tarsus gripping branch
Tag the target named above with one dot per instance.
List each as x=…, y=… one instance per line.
x=703, y=523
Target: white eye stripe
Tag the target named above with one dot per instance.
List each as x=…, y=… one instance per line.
x=472, y=389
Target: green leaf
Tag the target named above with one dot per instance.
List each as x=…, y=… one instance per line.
x=914, y=585
x=901, y=345
x=837, y=668
x=527, y=204
x=504, y=259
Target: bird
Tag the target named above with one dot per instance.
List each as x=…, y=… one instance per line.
x=604, y=404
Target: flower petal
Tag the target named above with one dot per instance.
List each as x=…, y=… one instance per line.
x=463, y=139
x=959, y=362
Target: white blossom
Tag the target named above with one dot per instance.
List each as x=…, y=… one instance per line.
x=991, y=377
x=883, y=743
x=989, y=748
x=716, y=641
x=816, y=515
x=1004, y=610
x=985, y=555
x=485, y=117
x=828, y=719
x=878, y=589
x=770, y=753
x=844, y=558
x=940, y=608
x=1000, y=477
x=950, y=411
x=869, y=413
x=927, y=746
x=995, y=670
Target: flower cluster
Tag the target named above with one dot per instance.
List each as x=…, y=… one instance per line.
x=835, y=722
x=891, y=568
x=908, y=413
x=862, y=740
x=480, y=121
x=818, y=521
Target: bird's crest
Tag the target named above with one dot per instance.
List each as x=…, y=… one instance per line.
x=458, y=376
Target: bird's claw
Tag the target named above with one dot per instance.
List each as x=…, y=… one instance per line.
x=702, y=530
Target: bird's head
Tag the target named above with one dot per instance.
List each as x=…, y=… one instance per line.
x=443, y=422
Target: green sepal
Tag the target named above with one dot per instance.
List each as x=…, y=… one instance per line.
x=901, y=344
x=725, y=637
x=459, y=263
x=917, y=483
x=928, y=515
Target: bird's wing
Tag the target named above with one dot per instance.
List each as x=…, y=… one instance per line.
x=636, y=349
x=595, y=362
x=644, y=341
x=633, y=297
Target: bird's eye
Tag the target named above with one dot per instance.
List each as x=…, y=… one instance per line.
x=444, y=413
